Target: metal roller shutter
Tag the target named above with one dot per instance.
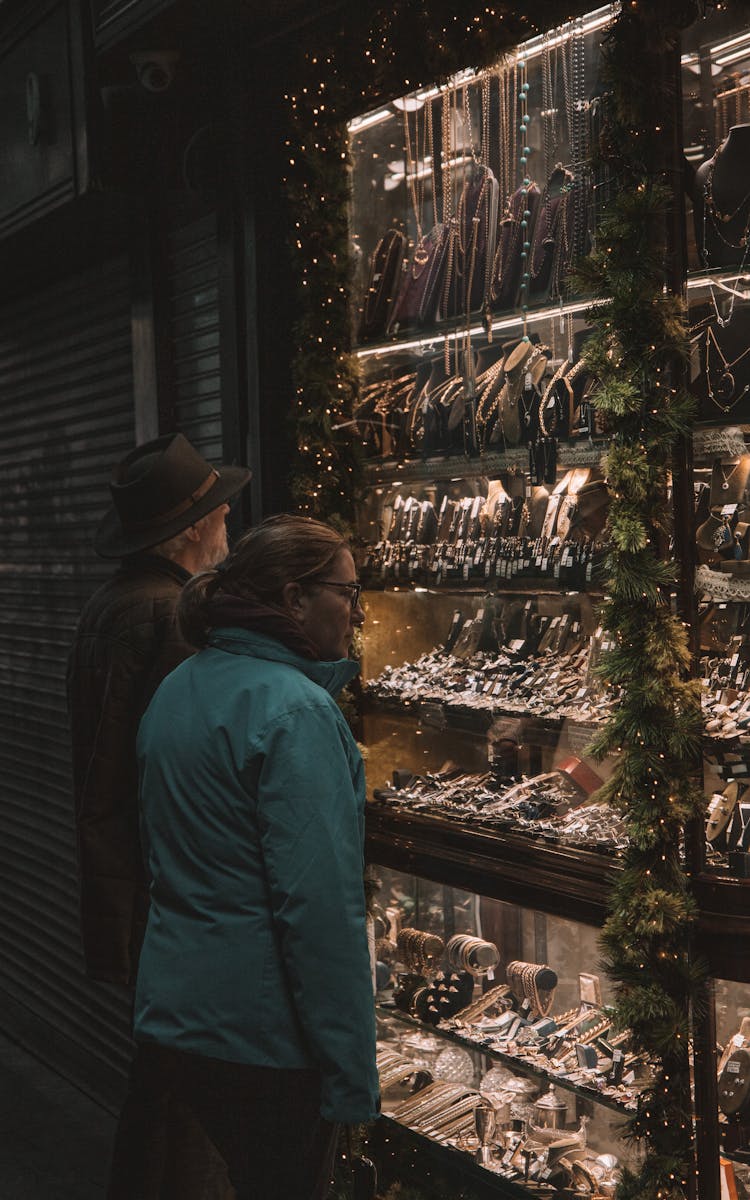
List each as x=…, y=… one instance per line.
x=193, y=301
x=67, y=415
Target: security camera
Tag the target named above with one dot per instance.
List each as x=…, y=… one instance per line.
x=155, y=68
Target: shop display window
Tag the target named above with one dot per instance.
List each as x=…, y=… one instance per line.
x=481, y=536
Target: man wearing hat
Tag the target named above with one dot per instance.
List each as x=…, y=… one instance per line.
x=166, y=523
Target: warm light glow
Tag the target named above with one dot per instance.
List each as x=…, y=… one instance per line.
x=373, y=118
x=438, y=338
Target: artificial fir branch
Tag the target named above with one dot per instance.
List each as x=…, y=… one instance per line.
x=639, y=340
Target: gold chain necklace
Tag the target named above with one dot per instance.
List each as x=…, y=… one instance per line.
x=413, y=171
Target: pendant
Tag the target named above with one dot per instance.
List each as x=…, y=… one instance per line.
x=527, y=418
x=725, y=387
x=725, y=486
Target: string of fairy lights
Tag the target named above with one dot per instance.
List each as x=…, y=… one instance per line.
x=376, y=54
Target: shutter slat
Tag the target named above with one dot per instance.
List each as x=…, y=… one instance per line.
x=67, y=394
x=194, y=320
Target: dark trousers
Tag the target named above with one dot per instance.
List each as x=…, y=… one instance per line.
x=264, y=1122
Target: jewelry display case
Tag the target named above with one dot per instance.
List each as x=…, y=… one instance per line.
x=716, y=75
x=716, y=87
x=481, y=537
x=494, y=1039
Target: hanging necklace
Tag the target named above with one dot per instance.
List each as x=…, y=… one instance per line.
x=503, y=149
x=714, y=210
x=527, y=408
x=720, y=320
x=549, y=121
x=550, y=400
x=577, y=113
x=722, y=391
x=523, y=162
x=414, y=170
x=718, y=218
x=484, y=150
x=430, y=143
x=447, y=152
x=725, y=476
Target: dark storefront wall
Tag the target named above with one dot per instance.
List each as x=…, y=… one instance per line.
x=67, y=410
x=193, y=321
x=68, y=406
x=176, y=325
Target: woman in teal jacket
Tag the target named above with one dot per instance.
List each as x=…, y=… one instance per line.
x=254, y=996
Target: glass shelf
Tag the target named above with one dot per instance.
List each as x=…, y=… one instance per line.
x=433, y=339
x=583, y=452
x=589, y=1094
x=461, y=1161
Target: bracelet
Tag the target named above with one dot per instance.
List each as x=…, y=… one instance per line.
x=472, y=954
x=532, y=982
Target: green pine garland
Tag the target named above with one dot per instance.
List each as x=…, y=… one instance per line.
x=636, y=350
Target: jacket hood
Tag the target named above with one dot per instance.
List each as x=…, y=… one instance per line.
x=333, y=676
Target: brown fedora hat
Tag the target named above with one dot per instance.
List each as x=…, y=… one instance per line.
x=159, y=489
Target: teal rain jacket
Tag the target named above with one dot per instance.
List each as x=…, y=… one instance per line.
x=252, y=794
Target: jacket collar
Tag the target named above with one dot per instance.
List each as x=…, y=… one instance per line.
x=155, y=564
x=333, y=676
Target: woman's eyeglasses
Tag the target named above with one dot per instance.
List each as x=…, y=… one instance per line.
x=354, y=589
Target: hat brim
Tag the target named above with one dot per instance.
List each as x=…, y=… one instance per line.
x=111, y=540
